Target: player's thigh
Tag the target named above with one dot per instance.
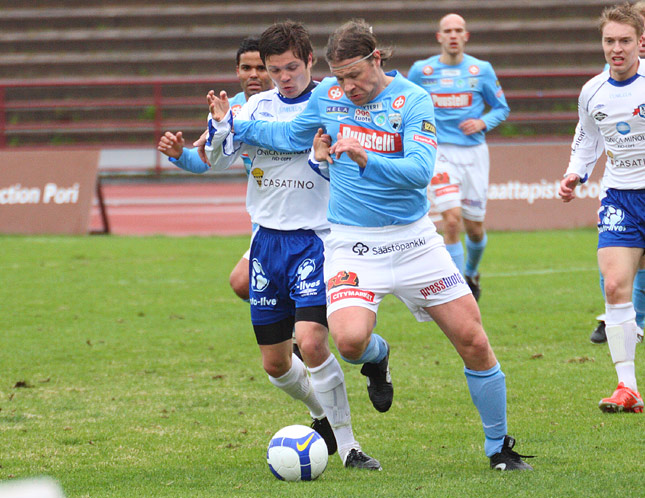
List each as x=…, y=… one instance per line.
x=444, y=191
x=474, y=165
x=618, y=266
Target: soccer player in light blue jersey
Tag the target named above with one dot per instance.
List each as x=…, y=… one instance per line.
x=461, y=87
x=254, y=79
x=383, y=141
x=611, y=112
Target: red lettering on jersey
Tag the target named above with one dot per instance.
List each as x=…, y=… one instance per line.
x=335, y=92
x=342, y=278
x=425, y=140
x=374, y=140
x=351, y=294
x=452, y=100
x=398, y=102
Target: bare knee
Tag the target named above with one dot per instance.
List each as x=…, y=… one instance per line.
x=475, y=350
x=276, y=366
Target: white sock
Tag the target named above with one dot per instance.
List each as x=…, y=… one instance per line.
x=329, y=383
x=296, y=383
x=621, y=329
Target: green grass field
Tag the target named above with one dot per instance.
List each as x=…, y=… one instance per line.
x=129, y=369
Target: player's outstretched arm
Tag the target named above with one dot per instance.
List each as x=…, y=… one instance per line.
x=171, y=144
x=567, y=187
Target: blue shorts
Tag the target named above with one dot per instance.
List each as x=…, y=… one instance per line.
x=621, y=219
x=286, y=272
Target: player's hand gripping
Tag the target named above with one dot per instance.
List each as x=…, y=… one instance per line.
x=352, y=147
x=322, y=143
x=200, y=143
x=567, y=187
x=218, y=106
x=171, y=144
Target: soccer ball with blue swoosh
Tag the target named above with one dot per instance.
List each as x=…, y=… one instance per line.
x=297, y=453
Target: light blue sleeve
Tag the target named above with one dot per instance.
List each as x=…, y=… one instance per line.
x=414, y=74
x=413, y=170
x=494, y=97
x=190, y=161
x=282, y=136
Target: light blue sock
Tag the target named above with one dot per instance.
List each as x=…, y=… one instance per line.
x=474, y=253
x=638, y=297
x=602, y=285
x=374, y=352
x=456, y=252
x=488, y=392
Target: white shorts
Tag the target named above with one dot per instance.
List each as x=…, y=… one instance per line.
x=461, y=180
x=363, y=265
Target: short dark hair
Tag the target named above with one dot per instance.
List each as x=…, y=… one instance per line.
x=249, y=44
x=283, y=36
x=622, y=14
x=354, y=39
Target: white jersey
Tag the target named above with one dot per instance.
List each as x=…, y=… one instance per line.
x=612, y=118
x=283, y=192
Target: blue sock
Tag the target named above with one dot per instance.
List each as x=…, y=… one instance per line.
x=374, y=352
x=456, y=252
x=638, y=297
x=474, y=253
x=488, y=392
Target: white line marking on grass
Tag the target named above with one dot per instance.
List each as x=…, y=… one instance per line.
x=545, y=271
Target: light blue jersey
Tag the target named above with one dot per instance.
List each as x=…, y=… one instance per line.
x=190, y=160
x=460, y=92
x=397, y=131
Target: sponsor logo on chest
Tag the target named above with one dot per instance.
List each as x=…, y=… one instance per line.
x=374, y=140
x=452, y=100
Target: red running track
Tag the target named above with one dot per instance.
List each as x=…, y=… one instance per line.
x=177, y=209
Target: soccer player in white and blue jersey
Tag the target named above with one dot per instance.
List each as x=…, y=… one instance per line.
x=287, y=200
x=461, y=87
x=253, y=78
x=381, y=241
x=611, y=111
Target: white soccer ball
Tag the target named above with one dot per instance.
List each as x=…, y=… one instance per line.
x=297, y=453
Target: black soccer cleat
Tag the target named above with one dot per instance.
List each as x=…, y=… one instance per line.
x=507, y=459
x=599, y=336
x=358, y=460
x=473, y=283
x=323, y=427
x=379, y=382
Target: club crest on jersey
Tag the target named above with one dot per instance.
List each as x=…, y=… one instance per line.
x=474, y=70
x=395, y=120
x=235, y=109
x=427, y=70
x=398, y=102
x=380, y=119
x=374, y=140
x=335, y=92
x=343, y=278
x=599, y=116
x=258, y=174
x=473, y=82
x=640, y=111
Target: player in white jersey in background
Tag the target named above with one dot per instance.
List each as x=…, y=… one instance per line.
x=288, y=200
x=461, y=86
x=611, y=112
x=254, y=79
x=382, y=241
x=599, y=336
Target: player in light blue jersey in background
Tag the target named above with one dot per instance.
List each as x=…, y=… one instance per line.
x=254, y=79
x=461, y=86
x=382, y=135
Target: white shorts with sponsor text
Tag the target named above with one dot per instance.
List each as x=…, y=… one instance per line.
x=363, y=265
x=461, y=180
